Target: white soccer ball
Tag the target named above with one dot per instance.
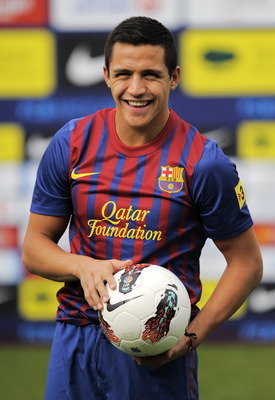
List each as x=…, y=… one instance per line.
x=148, y=312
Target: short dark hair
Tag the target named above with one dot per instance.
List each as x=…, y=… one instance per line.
x=143, y=30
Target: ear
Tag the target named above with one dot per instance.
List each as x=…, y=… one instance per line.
x=106, y=76
x=175, y=78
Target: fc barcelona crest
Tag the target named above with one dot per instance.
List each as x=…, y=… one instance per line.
x=171, y=179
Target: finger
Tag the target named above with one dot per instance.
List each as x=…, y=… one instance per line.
x=127, y=263
x=137, y=360
x=92, y=297
x=118, y=265
x=155, y=361
x=102, y=291
x=179, y=349
x=111, y=281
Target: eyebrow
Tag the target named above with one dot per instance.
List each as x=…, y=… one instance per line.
x=153, y=71
x=145, y=71
x=115, y=71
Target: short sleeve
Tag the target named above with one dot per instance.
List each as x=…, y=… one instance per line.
x=219, y=194
x=51, y=195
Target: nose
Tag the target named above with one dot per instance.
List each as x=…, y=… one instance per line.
x=136, y=87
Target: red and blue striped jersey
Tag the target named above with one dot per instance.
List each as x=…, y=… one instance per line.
x=155, y=203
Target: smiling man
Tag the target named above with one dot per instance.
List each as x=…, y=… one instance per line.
x=137, y=185
x=140, y=83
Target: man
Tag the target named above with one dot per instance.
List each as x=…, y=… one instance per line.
x=140, y=169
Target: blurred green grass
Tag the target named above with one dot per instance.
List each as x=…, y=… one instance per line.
x=236, y=372
x=23, y=371
x=226, y=372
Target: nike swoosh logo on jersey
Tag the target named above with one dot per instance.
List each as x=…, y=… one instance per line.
x=82, y=69
x=112, y=307
x=74, y=175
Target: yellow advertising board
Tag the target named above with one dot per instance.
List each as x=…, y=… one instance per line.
x=256, y=139
x=37, y=299
x=11, y=142
x=228, y=62
x=27, y=63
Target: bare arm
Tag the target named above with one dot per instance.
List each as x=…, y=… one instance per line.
x=40, y=253
x=42, y=256
x=242, y=274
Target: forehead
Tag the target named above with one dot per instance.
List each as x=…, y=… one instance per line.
x=135, y=57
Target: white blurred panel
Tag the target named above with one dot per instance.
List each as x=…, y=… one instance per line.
x=11, y=270
x=258, y=178
x=104, y=15
x=231, y=13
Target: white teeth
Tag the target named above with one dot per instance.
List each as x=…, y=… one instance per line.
x=138, y=103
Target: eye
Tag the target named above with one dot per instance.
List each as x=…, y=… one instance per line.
x=152, y=74
x=122, y=74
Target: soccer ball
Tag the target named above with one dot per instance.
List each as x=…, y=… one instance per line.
x=148, y=311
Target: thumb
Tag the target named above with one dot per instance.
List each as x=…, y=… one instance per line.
x=127, y=263
x=123, y=264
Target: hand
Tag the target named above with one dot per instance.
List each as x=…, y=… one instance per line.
x=177, y=351
x=93, y=274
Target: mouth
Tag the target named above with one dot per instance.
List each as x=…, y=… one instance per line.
x=138, y=103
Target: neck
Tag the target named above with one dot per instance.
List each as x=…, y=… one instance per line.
x=137, y=136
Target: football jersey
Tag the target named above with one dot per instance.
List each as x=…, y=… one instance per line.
x=155, y=203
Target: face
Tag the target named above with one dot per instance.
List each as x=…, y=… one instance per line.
x=140, y=85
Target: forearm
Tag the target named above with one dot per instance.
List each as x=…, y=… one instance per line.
x=41, y=256
x=232, y=290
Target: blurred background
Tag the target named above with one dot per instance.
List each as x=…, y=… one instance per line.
x=51, y=59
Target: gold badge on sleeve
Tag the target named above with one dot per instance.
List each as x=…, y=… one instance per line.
x=240, y=193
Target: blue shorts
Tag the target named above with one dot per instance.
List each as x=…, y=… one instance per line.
x=85, y=366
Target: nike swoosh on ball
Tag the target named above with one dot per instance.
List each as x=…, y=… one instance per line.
x=112, y=307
